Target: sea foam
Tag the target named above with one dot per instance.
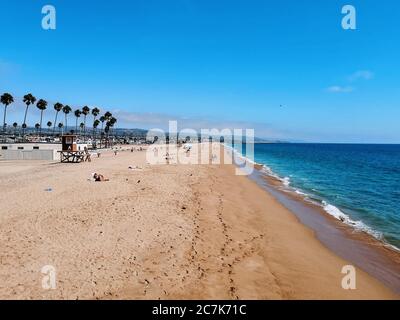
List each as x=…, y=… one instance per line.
x=327, y=207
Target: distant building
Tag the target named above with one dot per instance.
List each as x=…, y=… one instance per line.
x=31, y=151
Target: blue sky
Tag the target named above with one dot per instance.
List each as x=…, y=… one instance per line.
x=213, y=63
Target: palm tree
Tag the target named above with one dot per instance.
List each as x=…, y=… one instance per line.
x=15, y=126
x=95, y=125
x=6, y=99
x=60, y=126
x=109, y=124
x=108, y=115
x=66, y=109
x=102, y=119
x=24, y=126
x=58, y=107
x=41, y=105
x=77, y=114
x=106, y=130
x=85, y=111
x=81, y=126
x=28, y=100
x=95, y=113
x=37, y=127
x=113, y=121
x=49, y=124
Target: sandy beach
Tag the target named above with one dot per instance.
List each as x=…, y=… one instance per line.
x=158, y=232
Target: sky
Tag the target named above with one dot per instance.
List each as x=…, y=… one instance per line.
x=285, y=68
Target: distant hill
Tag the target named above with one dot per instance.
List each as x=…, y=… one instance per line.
x=131, y=132
x=143, y=132
x=262, y=140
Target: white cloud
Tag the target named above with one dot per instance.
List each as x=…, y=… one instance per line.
x=361, y=75
x=358, y=75
x=340, y=89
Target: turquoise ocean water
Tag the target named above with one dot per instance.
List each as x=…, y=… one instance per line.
x=359, y=184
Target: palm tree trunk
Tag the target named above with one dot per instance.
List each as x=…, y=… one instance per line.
x=41, y=117
x=66, y=123
x=84, y=129
x=4, y=120
x=108, y=138
x=94, y=119
x=101, y=133
x=55, y=121
x=23, y=129
x=76, y=125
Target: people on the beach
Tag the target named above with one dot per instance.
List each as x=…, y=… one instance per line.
x=99, y=177
x=87, y=155
x=155, y=152
x=134, y=167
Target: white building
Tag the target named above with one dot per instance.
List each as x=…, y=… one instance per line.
x=29, y=151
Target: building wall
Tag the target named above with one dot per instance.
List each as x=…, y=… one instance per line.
x=28, y=155
x=32, y=151
x=31, y=146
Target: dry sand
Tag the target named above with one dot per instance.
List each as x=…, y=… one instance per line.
x=166, y=231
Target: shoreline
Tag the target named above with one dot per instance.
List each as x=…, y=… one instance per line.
x=377, y=257
x=283, y=186
x=159, y=232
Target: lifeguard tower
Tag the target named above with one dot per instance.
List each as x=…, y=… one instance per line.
x=72, y=151
x=68, y=142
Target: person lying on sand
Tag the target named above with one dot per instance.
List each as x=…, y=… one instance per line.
x=99, y=177
x=134, y=167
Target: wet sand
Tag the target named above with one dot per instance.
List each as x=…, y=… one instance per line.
x=374, y=256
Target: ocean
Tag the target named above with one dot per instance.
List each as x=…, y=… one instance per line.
x=356, y=183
